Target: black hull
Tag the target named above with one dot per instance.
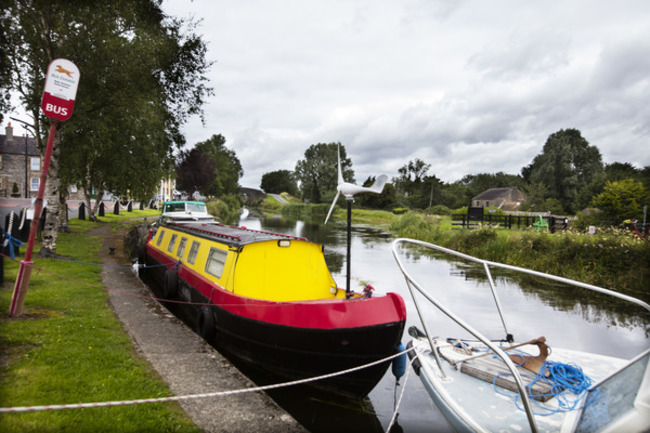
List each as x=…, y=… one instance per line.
x=286, y=352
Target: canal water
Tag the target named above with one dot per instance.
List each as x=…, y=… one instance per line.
x=567, y=317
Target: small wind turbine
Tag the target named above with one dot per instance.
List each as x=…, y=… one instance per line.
x=349, y=190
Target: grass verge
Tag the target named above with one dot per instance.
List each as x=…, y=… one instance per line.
x=68, y=347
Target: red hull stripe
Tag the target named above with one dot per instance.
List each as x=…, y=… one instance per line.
x=321, y=314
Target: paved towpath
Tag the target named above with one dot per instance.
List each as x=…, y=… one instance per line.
x=182, y=359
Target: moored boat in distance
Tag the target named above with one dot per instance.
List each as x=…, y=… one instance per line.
x=481, y=384
x=185, y=211
x=269, y=300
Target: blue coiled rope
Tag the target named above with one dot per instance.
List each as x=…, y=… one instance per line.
x=568, y=384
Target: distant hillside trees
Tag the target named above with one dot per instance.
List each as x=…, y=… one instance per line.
x=566, y=177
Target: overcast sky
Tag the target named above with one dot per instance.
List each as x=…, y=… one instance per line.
x=467, y=86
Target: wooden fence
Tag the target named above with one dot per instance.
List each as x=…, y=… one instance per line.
x=469, y=220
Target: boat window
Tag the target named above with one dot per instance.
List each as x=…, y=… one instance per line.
x=181, y=247
x=161, y=234
x=196, y=207
x=194, y=250
x=172, y=242
x=216, y=261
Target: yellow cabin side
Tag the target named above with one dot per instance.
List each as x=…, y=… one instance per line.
x=194, y=253
x=274, y=270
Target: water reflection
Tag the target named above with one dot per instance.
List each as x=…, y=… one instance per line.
x=590, y=306
x=568, y=317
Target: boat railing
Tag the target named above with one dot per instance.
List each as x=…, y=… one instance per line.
x=412, y=284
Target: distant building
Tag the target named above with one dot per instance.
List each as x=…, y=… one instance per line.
x=20, y=165
x=507, y=199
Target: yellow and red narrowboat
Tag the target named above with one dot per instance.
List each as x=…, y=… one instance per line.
x=269, y=299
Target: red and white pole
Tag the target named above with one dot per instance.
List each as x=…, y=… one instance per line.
x=58, y=101
x=25, y=270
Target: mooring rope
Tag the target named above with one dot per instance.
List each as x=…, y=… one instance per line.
x=22, y=409
x=399, y=401
x=101, y=265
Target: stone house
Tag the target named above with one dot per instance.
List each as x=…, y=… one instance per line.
x=20, y=165
x=507, y=199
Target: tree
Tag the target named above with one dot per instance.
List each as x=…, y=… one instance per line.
x=5, y=64
x=644, y=176
x=194, y=171
x=453, y=195
x=279, y=181
x=621, y=200
x=410, y=176
x=536, y=194
x=142, y=75
x=318, y=172
x=566, y=165
x=227, y=167
x=620, y=170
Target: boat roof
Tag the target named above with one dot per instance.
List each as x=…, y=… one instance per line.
x=184, y=201
x=230, y=235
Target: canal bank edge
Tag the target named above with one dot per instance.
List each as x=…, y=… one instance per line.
x=183, y=360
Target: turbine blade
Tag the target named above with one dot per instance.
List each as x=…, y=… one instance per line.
x=340, y=178
x=379, y=184
x=332, y=207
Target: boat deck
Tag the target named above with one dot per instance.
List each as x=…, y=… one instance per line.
x=497, y=409
x=493, y=370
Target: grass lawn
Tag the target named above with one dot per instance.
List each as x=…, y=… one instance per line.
x=68, y=347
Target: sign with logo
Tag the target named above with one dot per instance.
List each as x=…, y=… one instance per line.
x=60, y=89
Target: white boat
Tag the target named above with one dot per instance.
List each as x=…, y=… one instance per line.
x=483, y=385
x=185, y=211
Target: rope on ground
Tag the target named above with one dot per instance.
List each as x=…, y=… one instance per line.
x=22, y=409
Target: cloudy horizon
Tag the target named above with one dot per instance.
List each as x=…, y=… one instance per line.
x=466, y=86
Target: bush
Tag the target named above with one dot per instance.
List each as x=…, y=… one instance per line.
x=226, y=208
x=440, y=209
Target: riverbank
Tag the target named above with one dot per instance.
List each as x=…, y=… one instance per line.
x=614, y=259
x=70, y=346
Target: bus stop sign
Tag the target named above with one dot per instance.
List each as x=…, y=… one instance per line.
x=60, y=89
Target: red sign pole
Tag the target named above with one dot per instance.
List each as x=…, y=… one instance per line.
x=25, y=270
x=58, y=101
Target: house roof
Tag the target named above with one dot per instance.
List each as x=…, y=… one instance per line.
x=510, y=193
x=17, y=146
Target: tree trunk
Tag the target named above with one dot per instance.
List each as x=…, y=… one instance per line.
x=50, y=230
x=92, y=216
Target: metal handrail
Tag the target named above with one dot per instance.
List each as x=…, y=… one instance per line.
x=410, y=282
